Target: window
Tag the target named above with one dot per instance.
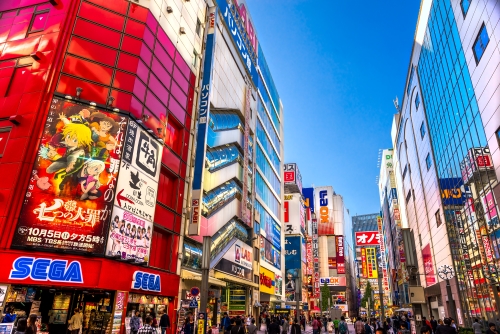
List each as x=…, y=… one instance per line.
x=481, y=43
x=428, y=161
x=422, y=130
x=198, y=27
x=404, y=171
x=465, y=4
x=438, y=218
x=256, y=279
x=410, y=80
x=408, y=196
x=195, y=58
x=417, y=101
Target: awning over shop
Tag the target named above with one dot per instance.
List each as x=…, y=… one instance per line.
x=234, y=279
x=192, y=275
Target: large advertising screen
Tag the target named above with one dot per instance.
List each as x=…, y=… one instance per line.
x=269, y=253
x=237, y=261
x=69, y=200
x=295, y=215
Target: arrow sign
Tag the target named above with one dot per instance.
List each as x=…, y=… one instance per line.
x=120, y=198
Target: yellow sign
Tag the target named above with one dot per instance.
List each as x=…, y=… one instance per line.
x=267, y=281
x=371, y=262
x=201, y=326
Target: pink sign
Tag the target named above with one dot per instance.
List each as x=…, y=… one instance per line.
x=430, y=276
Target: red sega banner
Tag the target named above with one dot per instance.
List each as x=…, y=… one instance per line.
x=367, y=238
x=70, y=195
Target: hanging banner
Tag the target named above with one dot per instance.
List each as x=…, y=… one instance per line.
x=315, y=249
x=364, y=269
x=202, y=122
x=340, y=254
x=371, y=262
x=74, y=178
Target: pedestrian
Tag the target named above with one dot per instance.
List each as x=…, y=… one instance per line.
x=476, y=327
x=336, y=325
x=75, y=323
x=164, y=321
x=380, y=331
x=22, y=324
x=329, y=326
x=135, y=322
x=10, y=315
x=225, y=324
x=316, y=326
x=147, y=328
x=368, y=329
x=252, y=329
x=285, y=326
x=425, y=329
x=188, y=327
x=274, y=327
x=295, y=327
x=492, y=328
x=154, y=322
x=359, y=327
x=238, y=327
x=434, y=324
x=31, y=326
x=324, y=323
x=446, y=328
x=343, y=329
x=303, y=322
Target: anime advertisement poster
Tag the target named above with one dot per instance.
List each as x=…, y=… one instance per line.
x=129, y=236
x=70, y=195
x=136, y=192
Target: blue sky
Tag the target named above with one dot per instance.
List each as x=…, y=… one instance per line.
x=337, y=66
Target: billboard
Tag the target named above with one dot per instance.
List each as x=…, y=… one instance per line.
x=237, y=261
x=333, y=281
x=308, y=194
x=332, y=262
x=340, y=254
x=453, y=192
x=292, y=178
x=478, y=158
x=269, y=253
x=315, y=250
x=202, y=123
x=309, y=256
x=267, y=281
x=295, y=215
x=430, y=276
x=371, y=262
x=293, y=246
x=70, y=195
x=367, y=238
x=364, y=267
x=324, y=209
x=270, y=230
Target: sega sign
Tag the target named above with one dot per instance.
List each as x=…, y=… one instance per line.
x=41, y=269
x=146, y=281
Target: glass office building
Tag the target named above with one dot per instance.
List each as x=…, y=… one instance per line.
x=461, y=155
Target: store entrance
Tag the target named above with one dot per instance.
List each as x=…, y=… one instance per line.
x=55, y=306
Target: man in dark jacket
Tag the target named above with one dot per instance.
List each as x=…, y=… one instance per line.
x=274, y=327
x=434, y=324
x=446, y=328
x=164, y=322
x=225, y=323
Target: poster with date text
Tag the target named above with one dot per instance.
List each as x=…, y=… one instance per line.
x=70, y=195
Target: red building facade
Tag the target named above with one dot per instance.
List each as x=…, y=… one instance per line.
x=109, y=56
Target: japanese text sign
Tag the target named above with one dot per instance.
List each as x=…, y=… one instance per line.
x=367, y=238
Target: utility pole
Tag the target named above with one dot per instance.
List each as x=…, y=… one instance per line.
x=298, y=292
x=381, y=295
x=205, y=268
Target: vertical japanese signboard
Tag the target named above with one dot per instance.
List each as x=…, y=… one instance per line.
x=340, y=254
x=430, y=276
x=371, y=262
x=315, y=249
x=309, y=256
x=203, y=119
x=70, y=194
x=294, y=214
x=364, y=269
x=131, y=227
x=385, y=277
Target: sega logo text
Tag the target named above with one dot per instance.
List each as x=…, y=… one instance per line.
x=46, y=270
x=146, y=281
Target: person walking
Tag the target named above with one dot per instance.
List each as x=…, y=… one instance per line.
x=315, y=326
x=359, y=327
x=476, y=327
x=31, y=327
x=164, y=322
x=343, y=329
x=238, y=327
x=188, y=327
x=22, y=324
x=135, y=323
x=75, y=322
x=225, y=323
x=330, y=326
x=295, y=327
x=285, y=326
x=147, y=328
x=492, y=328
x=274, y=327
x=336, y=325
x=252, y=329
x=434, y=324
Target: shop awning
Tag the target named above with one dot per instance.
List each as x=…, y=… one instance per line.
x=192, y=275
x=229, y=278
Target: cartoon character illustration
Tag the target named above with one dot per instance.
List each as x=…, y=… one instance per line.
x=88, y=178
x=103, y=129
x=49, y=152
x=77, y=115
x=77, y=139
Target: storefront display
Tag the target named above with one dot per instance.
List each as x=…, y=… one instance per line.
x=147, y=305
x=233, y=300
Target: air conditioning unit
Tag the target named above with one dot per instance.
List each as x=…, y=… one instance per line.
x=169, y=9
x=182, y=30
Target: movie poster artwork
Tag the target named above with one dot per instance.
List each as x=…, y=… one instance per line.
x=70, y=195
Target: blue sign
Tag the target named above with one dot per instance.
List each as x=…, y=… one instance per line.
x=146, y=281
x=293, y=246
x=193, y=303
x=308, y=194
x=238, y=40
x=46, y=270
x=453, y=192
